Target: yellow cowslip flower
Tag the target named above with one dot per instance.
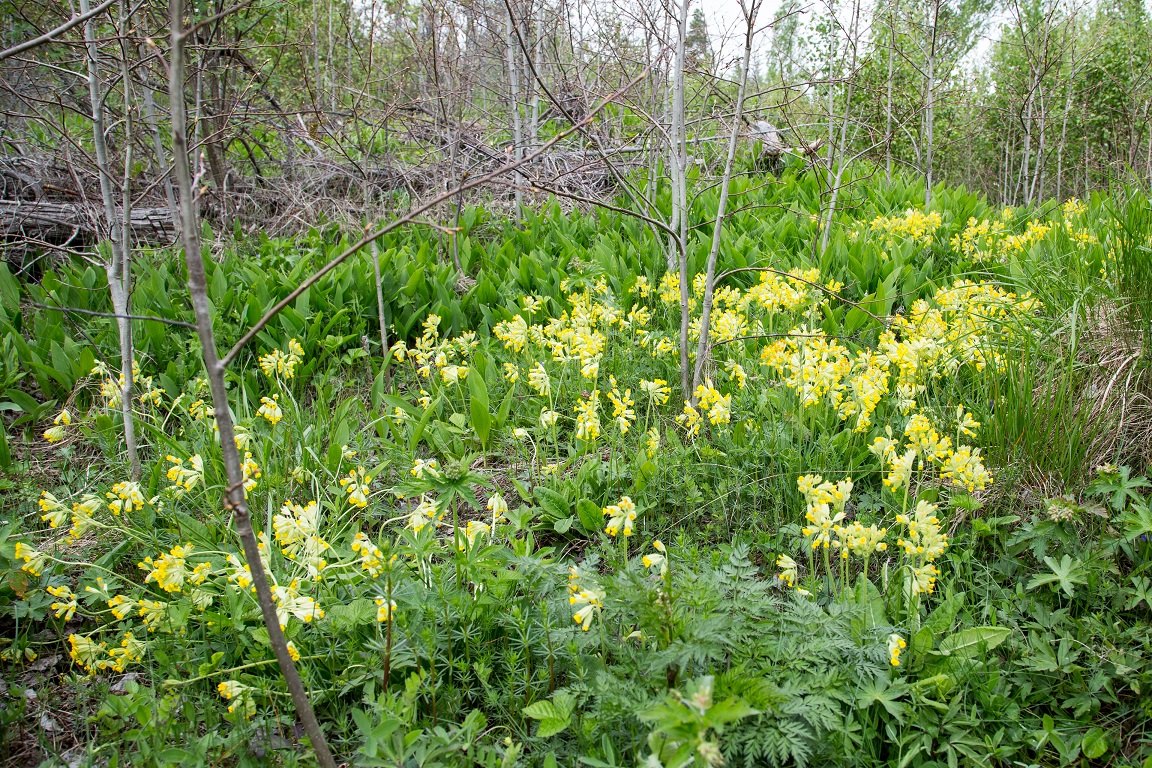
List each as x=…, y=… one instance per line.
x=498, y=507
x=399, y=351
x=788, y=570
x=588, y=603
x=588, y=418
x=34, y=560
x=620, y=517
x=475, y=529
x=431, y=326
x=125, y=497
x=736, y=373
x=965, y=424
x=861, y=541
x=241, y=574
x=548, y=418
x=925, y=541
x=657, y=390
x=168, y=571
x=58, y=431
x=914, y=225
x=130, y=651
x=690, y=419
x=539, y=381
x=297, y=531
x=653, y=559
x=122, y=606
x=86, y=652
x=622, y=412
x=289, y=602
x=926, y=440
x=900, y=471
x=371, y=558
x=385, y=610
x=424, y=514
x=652, y=443
x=965, y=469
x=65, y=606
x=922, y=580
x=511, y=373
x=251, y=471
x=356, y=485
x=186, y=477
x=238, y=696
x=82, y=512
x=454, y=374
x=55, y=513
x=270, y=409
x=514, y=333
x=896, y=646
x=423, y=467
x=718, y=406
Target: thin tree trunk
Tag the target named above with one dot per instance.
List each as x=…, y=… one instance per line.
x=725, y=184
x=514, y=104
x=234, y=499
x=680, y=191
x=892, y=11
x=116, y=270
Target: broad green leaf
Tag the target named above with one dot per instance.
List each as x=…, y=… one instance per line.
x=967, y=642
x=591, y=515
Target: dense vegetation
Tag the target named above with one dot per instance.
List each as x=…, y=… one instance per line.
x=903, y=522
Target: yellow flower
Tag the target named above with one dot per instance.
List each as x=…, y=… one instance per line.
x=65, y=607
x=251, y=471
x=539, y=381
x=424, y=514
x=690, y=419
x=186, y=477
x=423, y=467
x=125, y=497
x=788, y=570
x=588, y=603
x=385, y=610
x=289, y=602
x=371, y=558
x=85, y=652
x=122, y=606
x=620, y=517
x=131, y=650
x=514, y=333
x=55, y=513
x=168, y=570
x=657, y=390
x=896, y=646
x=241, y=574
x=498, y=507
x=238, y=696
x=297, y=531
x=34, y=561
x=270, y=409
x=356, y=486
x=588, y=418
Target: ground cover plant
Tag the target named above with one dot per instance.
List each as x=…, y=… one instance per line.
x=902, y=521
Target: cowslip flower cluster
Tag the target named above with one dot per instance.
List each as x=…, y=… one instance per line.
x=588, y=417
x=585, y=597
x=270, y=409
x=58, y=431
x=296, y=530
x=620, y=516
x=279, y=363
x=896, y=646
x=356, y=485
x=924, y=543
x=185, y=477
x=718, y=407
x=914, y=225
x=962, y=466
x=125, y=497
x=824, y=507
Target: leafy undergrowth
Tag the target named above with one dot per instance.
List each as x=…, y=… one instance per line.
x=508, y=539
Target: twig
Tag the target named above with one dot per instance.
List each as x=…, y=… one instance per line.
x=77, y=310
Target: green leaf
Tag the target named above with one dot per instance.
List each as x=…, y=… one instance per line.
x=554, y=504
x=478, y=405
x=590, y=514
x=1095, y=744
x=967, y=642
